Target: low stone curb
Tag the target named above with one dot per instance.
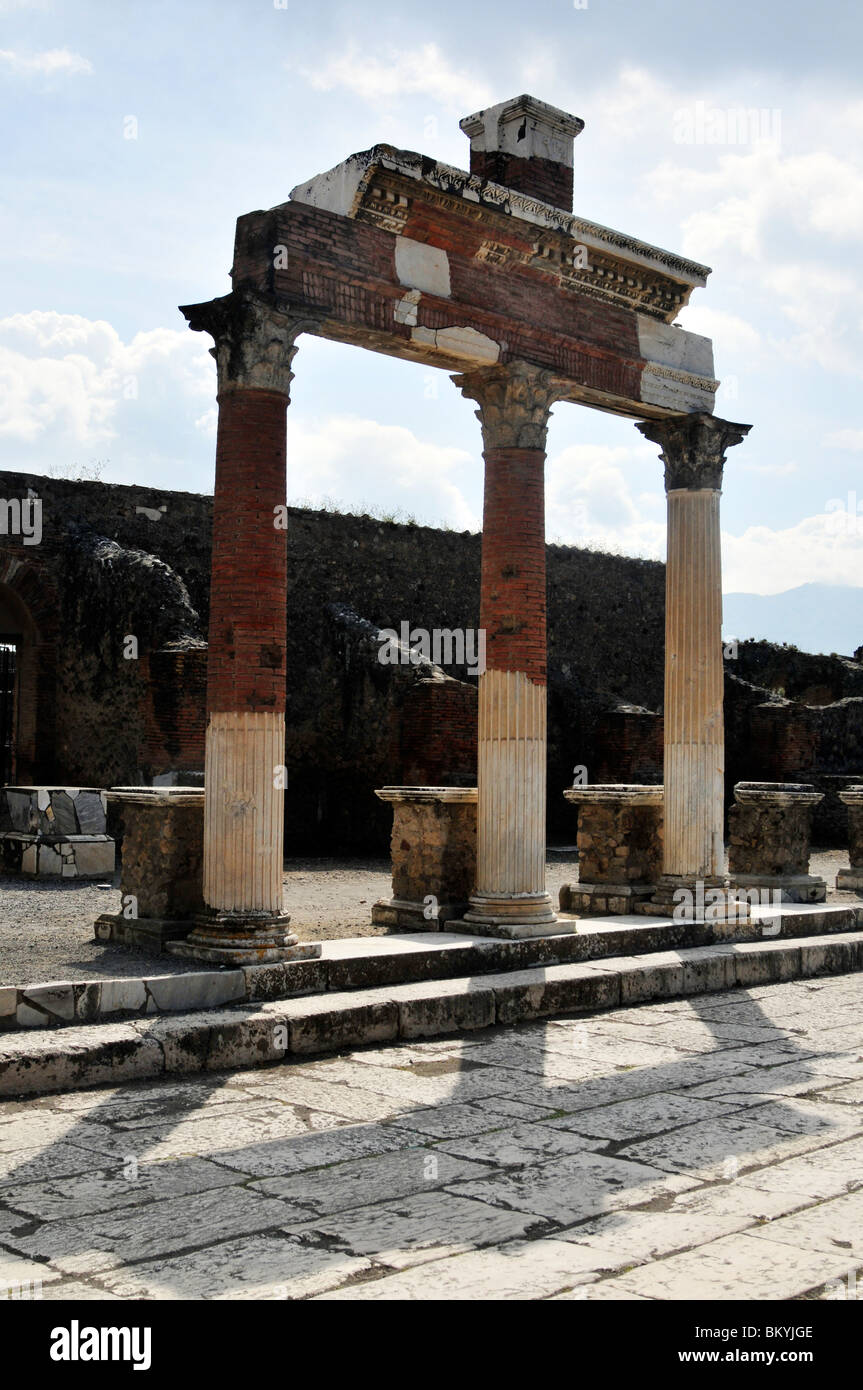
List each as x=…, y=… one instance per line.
x=101, y=1001
x=230, y=1038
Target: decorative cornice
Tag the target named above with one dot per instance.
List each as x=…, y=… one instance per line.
x=255, y=341
x=514, y=403
x=693, y=448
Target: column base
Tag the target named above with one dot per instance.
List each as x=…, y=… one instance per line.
x=403, y=914
x=850, y=880
x=518, y=917
x=784, y=888
x=706, y=900
x=604, y=899
x=233, y=938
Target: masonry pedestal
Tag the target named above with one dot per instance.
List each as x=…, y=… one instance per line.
x=55, y=832
x=619, y=848
x=769, y=831
x=162, y=866
x=433, y=856
x=851, y=880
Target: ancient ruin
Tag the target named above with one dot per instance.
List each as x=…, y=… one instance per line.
x=488, y=275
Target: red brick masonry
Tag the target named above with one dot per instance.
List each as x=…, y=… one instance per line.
x=248, y=586
x=513, y=595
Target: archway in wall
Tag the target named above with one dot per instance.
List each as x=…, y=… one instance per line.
x=19, y=688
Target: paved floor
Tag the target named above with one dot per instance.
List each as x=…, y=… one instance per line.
x=710, y=1148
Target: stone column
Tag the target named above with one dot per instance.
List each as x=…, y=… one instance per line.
x=851, y=880
x=510, y=897
x=693, y=450
x=244, y=919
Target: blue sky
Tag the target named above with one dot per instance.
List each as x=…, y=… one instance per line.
x=231, y=103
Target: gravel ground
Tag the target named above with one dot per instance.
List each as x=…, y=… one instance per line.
x=46, y=929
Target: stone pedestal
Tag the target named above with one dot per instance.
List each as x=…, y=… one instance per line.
x=851, y=880
x=55, y=832
x=162, y=866
x=770, y=826
x=433, y=856
x=619, y=848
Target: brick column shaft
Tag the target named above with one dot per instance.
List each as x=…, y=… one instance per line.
x=510, y=895
x=244, y=919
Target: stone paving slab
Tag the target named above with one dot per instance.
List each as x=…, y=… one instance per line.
x=465, y=1168
x=44, y=1060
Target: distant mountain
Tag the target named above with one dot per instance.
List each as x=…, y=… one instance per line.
x=814, y=617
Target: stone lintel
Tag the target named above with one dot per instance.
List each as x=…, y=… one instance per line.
x=427, y=795
x=625, y=793
x=777, y=793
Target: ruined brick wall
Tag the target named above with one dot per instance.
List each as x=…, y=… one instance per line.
x=174, y=695
x=438, y=735
x=100, y=722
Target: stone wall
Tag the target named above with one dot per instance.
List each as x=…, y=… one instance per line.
x=118, y=561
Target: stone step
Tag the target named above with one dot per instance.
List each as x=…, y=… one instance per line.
x=367, y=962
x=45, y=1060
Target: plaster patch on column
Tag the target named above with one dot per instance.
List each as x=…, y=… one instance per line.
x=406, y=309
x=459, y=342
x=423, y=267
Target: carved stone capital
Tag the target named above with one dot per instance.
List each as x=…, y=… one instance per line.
x=514, y=403
x=255, y=342
x=693, y=448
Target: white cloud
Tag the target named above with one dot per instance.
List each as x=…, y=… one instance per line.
x=423, y=71
x=729, y=332
x=47, y=64
x=822, y=549
x=360, y=463
x=845, y=439
x=68, y=379
x=590, y=502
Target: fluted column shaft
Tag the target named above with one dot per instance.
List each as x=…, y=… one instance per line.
x=510, y=894
x=693, y=450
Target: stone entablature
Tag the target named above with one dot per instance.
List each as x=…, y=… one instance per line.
x=769, y=828
x=851, y=880
x=619, y=847
x=399, y=253
x=433, y=856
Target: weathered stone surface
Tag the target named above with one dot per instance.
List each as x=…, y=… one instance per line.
x=433, y=848
x=162, y=849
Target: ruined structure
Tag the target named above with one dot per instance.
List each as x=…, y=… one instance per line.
x=487, y=275
x=530, y=306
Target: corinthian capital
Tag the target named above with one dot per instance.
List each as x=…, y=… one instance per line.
x=255, y=342
x=693, y=448
x=514, y=403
